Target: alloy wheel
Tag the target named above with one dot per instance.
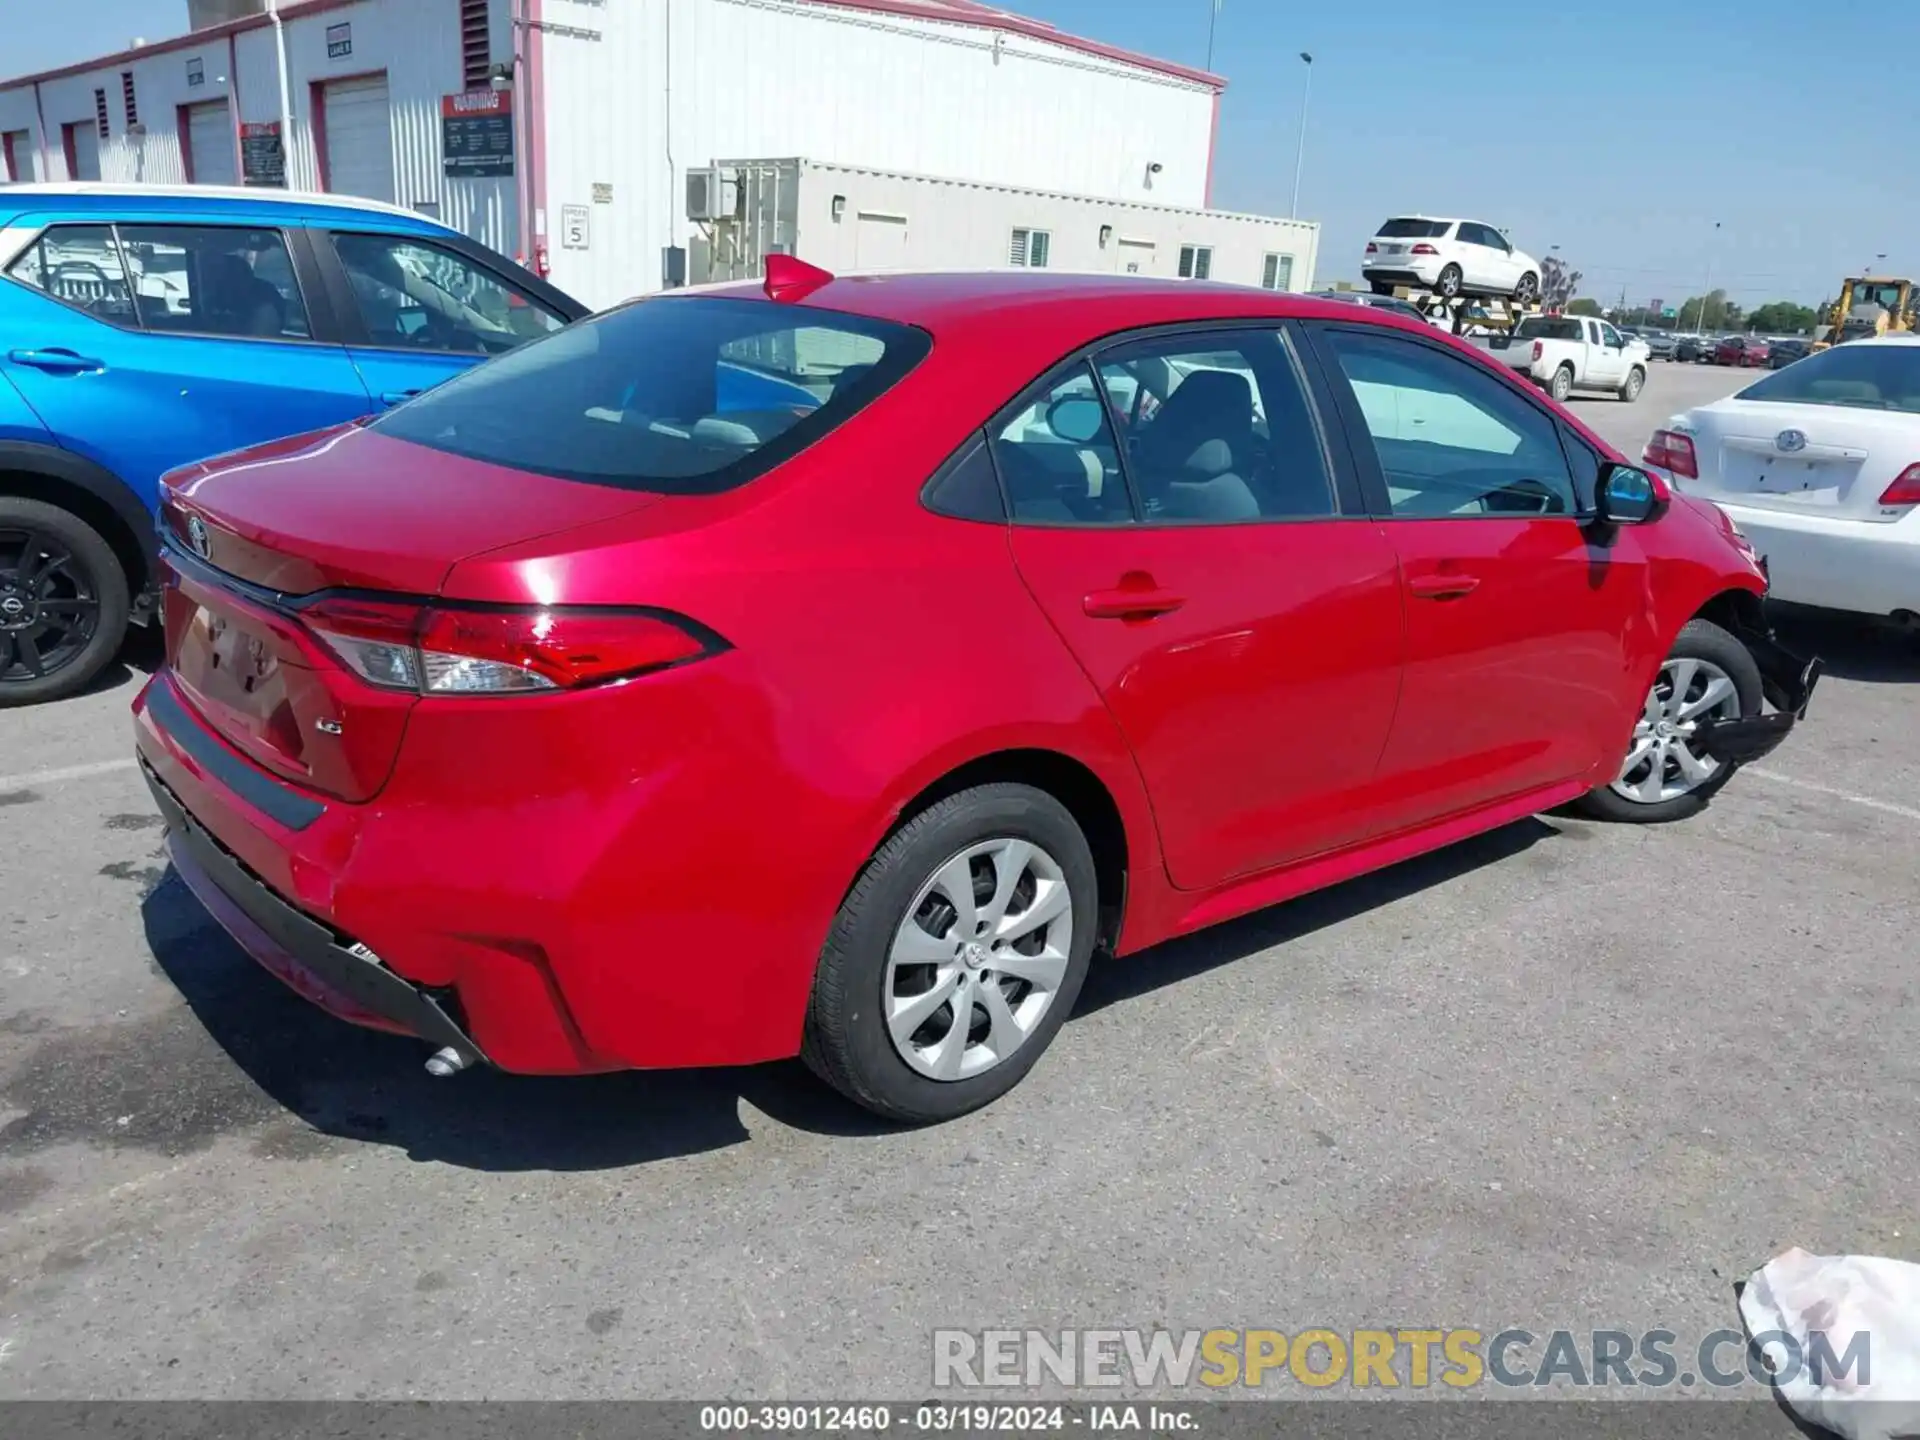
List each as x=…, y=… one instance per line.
x=49, y=605
x=1662, y=763
x=979, y=959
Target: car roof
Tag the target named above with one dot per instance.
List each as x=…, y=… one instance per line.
x=87, y=197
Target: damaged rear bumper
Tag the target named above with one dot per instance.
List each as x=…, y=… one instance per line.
x=1787, y=681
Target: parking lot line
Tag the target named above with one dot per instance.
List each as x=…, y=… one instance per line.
x=1886, y=806
x=70, y=772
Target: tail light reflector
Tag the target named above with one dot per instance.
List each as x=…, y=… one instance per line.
x=1539, y=350
x=1372, y=249
x=451, y=650
x=1670, y=450
x=1905, y=489
x=1425, y=250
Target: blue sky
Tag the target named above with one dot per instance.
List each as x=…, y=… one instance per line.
x=1605, y=129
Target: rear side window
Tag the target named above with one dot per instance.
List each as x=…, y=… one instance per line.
x=214, y=280
x=678, y=395
x=1859, y=377
x=1414, y=229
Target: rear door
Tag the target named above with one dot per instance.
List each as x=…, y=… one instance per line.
x=1477, y=261
x=1606, y=354
x=1521, y=630
x=147, y=346
x=1189, y=542
x=416, y=311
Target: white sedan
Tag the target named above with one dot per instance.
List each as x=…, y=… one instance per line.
x=1818, y=465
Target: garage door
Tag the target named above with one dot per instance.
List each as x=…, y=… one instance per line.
x=210, y=144
x=83, y=144
x=359, y=138
x=16, y=156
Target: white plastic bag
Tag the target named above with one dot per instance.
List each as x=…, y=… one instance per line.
x=1805, y=1311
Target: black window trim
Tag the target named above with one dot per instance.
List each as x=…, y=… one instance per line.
x=1348, y=495
x=332, y=271
x=305, y=278
x=1359, y=445
x=976, y=443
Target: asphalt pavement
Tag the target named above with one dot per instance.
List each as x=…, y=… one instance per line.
x=1565, y=1075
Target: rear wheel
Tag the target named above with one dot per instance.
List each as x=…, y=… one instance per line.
x=1561, y=385
x=1528, y=290
x=1448, y=285
x=1630, y=390
x=1381, y=287
x=956, y=957
x=63, y=602
x=1708, y=676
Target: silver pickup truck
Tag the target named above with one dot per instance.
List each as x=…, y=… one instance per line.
x=1564, y=353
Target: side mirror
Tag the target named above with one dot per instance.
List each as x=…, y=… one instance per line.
x=1627, y=496
x=1078, y=418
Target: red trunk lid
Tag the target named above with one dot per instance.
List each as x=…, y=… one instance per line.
x=341, y=509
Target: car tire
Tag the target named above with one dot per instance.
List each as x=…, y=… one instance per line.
x=1528, y=289
x=1561, y=385
x=1636, y=378
x=1447, y=285
x=86, y=579
x=897, y=927
x=1381, y=287
x=1713, y=650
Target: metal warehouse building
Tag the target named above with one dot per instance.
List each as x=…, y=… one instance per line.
x=582, y=135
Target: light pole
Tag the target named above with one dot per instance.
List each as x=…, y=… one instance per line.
x=1213, y=19
x=1300, y=160
x=1700, y=320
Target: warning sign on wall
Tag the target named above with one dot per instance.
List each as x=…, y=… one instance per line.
x=476, y=133
x=263, y=159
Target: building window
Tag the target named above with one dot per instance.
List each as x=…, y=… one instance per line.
x=1029, y=249
x=126, y=95
x=100, y=112
x=476, y=48
x=1277, y=274
x=1196, y=262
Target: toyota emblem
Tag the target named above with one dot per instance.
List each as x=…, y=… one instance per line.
x=1788, y=441
x=197, y=537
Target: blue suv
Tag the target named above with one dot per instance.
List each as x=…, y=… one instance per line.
x=145, y=327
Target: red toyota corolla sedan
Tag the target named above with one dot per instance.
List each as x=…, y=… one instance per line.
x=834, y=667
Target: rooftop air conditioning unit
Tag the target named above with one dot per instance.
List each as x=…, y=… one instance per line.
x=710, y=195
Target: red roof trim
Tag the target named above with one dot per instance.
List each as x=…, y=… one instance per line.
x=971, y=12
x=193, y=40
x=956, y=12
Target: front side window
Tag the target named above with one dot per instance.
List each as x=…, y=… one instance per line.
x=1196, y=262
x=677, y=395
x=1451, y=440
x=214, y=280
x=1058, y=459
x=1610, y=337
x=413, y=295
x=81, y=266
x=1854, y=376
x=1217, y=430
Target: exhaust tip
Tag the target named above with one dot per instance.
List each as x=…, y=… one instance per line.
x=445, y=1062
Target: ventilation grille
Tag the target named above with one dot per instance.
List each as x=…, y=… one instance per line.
x=100, y=112
x=126, y=94
x=476, y=51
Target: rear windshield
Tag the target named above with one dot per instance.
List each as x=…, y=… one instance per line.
x=1860, y=377
x=1415, y=229
x=1548, y=327
x=679, y=395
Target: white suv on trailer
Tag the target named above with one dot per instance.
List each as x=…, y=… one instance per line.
x=1450, y=258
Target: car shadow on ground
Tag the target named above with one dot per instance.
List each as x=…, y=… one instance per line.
x=358, y=1085
x=1851, y=647
x=140, y=655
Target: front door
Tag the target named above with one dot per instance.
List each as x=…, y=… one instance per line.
x=1243, y=628
x=426, y=312
x=148, y=346
x=1521, y=627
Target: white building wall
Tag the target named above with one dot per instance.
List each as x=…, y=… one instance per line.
x=770, y=77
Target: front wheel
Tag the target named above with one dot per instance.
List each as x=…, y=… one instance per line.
x=956, y=957
x=1630, y=391
x=1708, y=676
x=63, y=602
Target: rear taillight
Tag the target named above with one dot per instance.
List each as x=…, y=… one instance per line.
x=1539, y=350
x=1905, y=489
x=1670, y=450
x=1425, y=250
x=1372, y=249
x=453, y=650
